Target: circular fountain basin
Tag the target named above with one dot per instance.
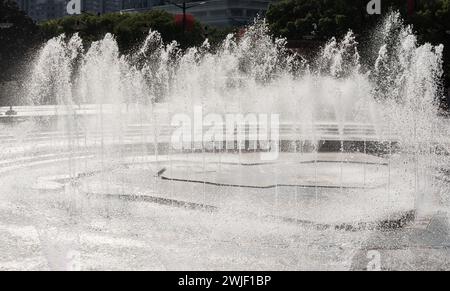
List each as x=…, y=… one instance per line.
x=323, y=188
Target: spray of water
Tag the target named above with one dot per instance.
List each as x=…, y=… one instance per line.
x=111, y=140
x=256, y=73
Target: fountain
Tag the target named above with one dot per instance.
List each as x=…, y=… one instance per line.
x=243, y=142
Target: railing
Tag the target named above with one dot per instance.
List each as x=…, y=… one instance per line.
x=162, y=131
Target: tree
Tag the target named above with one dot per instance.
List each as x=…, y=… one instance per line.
x=295, y=19
x=130, y=29
x=18, y=35
x=322, y=19
x=432, y=24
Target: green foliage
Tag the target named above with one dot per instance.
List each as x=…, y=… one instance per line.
x=333, y=17
x=130, y=29
x=17, y=40
x=217, y=35
x=297, y=19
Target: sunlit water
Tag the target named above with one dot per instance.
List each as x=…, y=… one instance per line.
x=94, y=182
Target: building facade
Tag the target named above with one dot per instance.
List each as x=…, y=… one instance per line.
x=41, y=10
x=101, y=6
x=221, y=13
x=218, y=13
x=140, y=4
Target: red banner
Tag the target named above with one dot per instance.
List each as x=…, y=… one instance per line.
x=188, y=22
